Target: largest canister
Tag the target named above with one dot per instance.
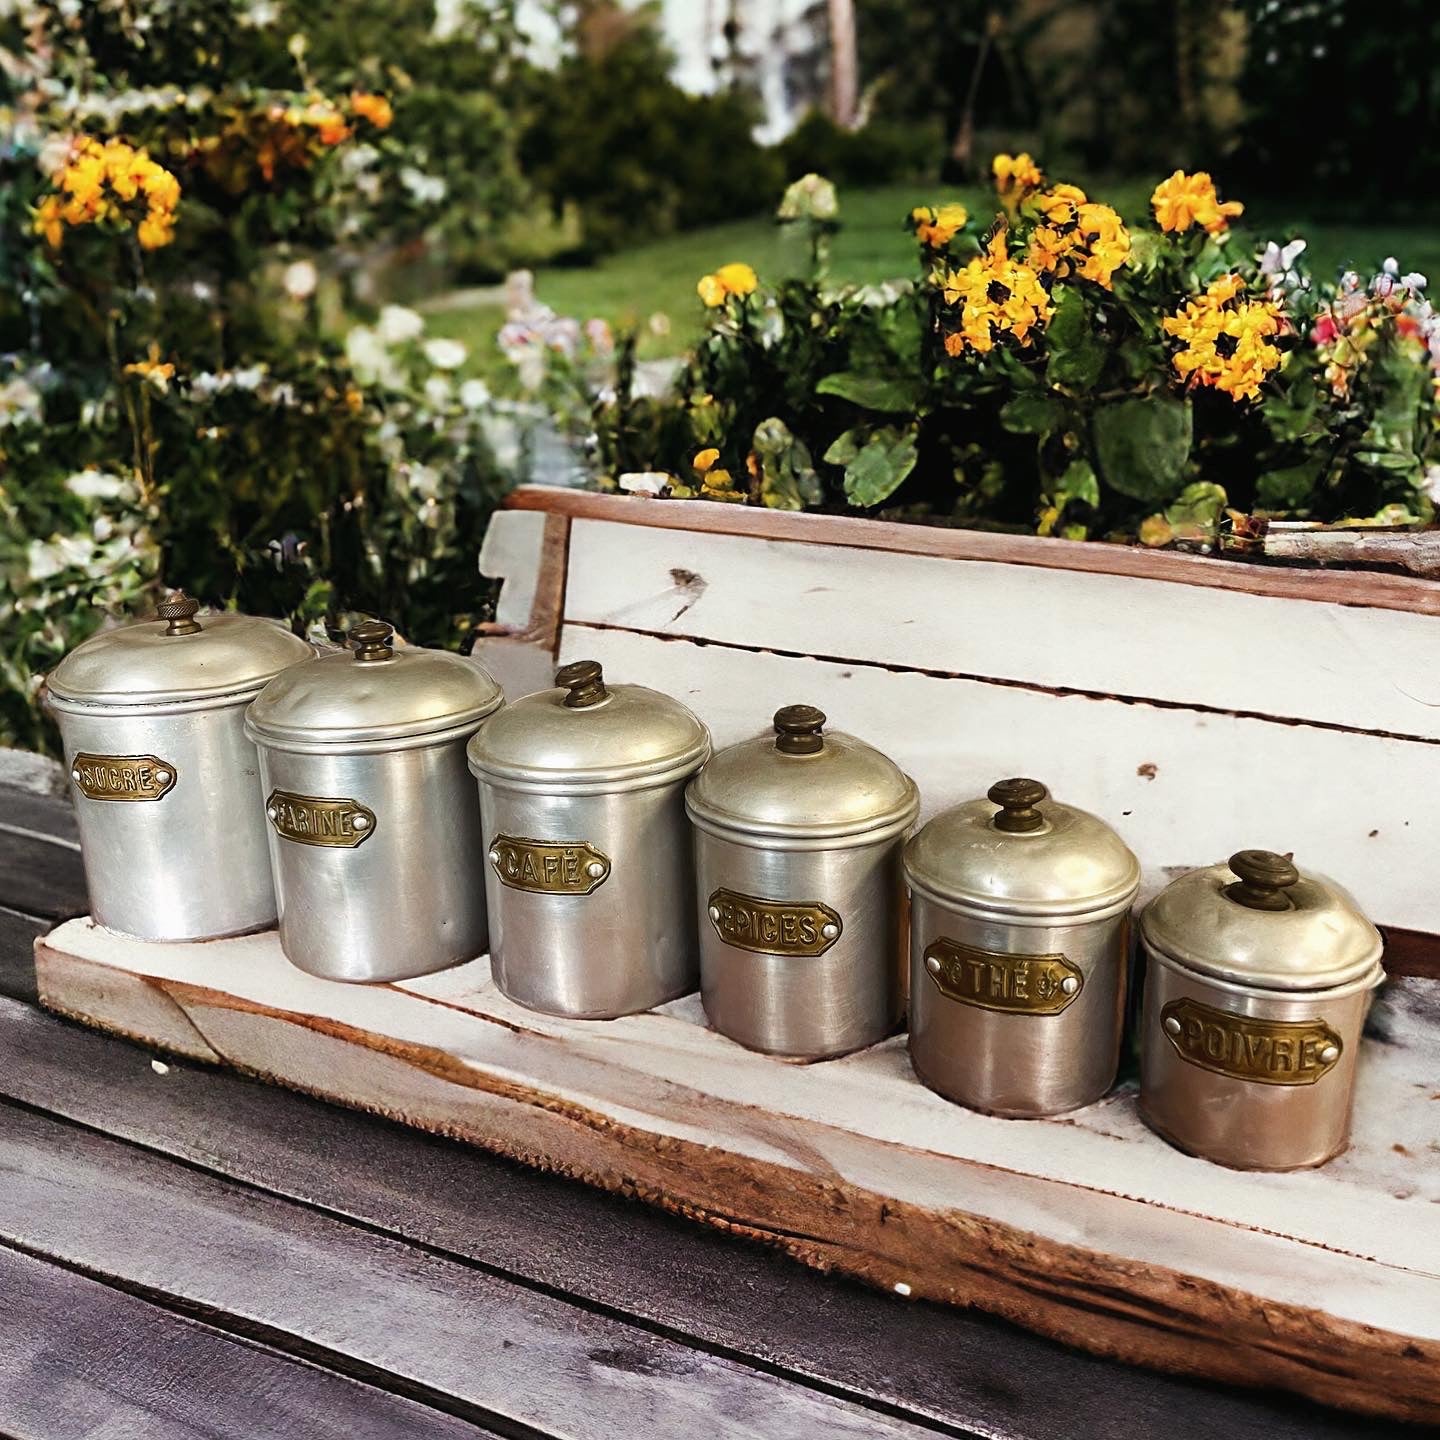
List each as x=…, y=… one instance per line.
x=374, y=828
x=588, y=852
x=166, y=784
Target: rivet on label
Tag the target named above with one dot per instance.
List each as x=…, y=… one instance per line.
x=494, y=857
x=162, y=777
x=1069, y=985
x=1172, y=1025
x=271, y=811
x=360, y=822
x=75, y=776
x=829, y=931
x=1329, y=1055
x=715, y=913
x=594, y=869
x=932, y=964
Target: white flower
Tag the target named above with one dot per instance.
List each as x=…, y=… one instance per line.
x=96, y=485
x=449, y=16
x=1391, y=265
x=20, y=401
x=301, y=277
x=52, y=155
x=445, y=354
x=357, y=158
x=645, y=482
x=474, y=394
x=259, y=14
x=399, y=324
x=424, y=480
x=811, y=197
x=437, y=391
x=1413, y=280
x=47, y=558
x=368, y=356
x=1430, y=483
x=424, y=189
x=248, y=378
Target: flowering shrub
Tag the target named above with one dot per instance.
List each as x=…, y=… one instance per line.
x=188, y=196
x=1051, y=368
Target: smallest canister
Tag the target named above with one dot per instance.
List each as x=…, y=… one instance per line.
x=1018, y=952
x=801, y=900
x=1259, y=977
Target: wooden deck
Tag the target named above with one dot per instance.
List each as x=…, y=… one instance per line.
x=186, y=1252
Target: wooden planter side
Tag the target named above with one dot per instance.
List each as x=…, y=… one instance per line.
x=1199, y=705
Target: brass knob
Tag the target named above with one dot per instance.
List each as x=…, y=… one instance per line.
x=373, y=640
x=178, y=609
x=797, y=730
x=1017, y=800
x=1264, y=878
x=585, y=681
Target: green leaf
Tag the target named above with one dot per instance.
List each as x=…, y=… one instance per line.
x=787, y=476
x=1078, y=483
x=1290, y=488
x=1195, y=511
x=1031, y=413
x=1143, y=445
x=1077, y=355
x=871, y=392
x=845, y=447
x=886, y=458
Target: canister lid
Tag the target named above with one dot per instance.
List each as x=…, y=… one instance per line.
x=1260, y=921
x=800, y=780
x=176, y=657
x=373, y=693
x=1017, y=853
x=589, y=735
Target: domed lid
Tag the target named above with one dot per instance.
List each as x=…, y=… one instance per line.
x=1259, y=921
x=587, y=735
x=176, y=657
x=1019, y=854
x=799, y=780
x=373, y=693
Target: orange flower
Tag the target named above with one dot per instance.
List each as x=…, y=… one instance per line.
x=48, y=221
x=1185, y=200
x=374, y=108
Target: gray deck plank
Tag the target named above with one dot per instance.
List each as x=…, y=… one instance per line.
x=929, y=1361
x=81, y=1361
x=17, y=967
x=443, y=1332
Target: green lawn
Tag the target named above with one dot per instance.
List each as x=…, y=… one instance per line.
x=635, y=287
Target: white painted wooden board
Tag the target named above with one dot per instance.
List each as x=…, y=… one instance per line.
x=1345, y=1257
x=1196, y=721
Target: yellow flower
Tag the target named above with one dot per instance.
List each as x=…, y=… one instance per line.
x=374, y=108
x=106, y=181
x=1016, y=176
x=48, y=221
x=704, y=459
x=155, y=231
x=1185, y=200
x=1226, y=340
x=736, y=278
x=1076, y=237
x=936, y=228
x=155, y=371
x=1107, y=242
x=996, y=296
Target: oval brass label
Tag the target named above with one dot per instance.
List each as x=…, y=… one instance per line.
x=548, y=867
x=122, y=777
x=319, y=820
x=1012, y=984
x=774, y=927
x=1269, y=1052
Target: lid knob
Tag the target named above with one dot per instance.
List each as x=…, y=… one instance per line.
x=797, y=730
x=178, y=610
x=1017, y=800
x=1264, y=878
x=585, y=681
x=373, y=640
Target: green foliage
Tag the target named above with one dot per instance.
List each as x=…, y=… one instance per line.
x=878, y=153
x=1142, y=444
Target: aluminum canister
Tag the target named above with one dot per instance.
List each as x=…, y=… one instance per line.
x=588, y=853
x=1258, y=981
x=800, y=896
x=1019, y=935
x=374, y=828
x=166, y=785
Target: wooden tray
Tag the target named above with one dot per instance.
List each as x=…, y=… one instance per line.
x=1086, y=1228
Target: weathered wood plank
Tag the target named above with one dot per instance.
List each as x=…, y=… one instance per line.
x=489, y=1351
x=84, y=1360
x=953, y=1366
x=853, y=1165
x=17, y=954
x=1391, y=592
x=40, y=875
x=1183, y=788
x=1050, y=630
x=48, y=817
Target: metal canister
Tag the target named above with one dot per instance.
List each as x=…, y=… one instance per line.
x=1018, y=952
x=800, y=896
x=1259, y=977
x=166, y=785
x=588, y=853
x=373, y=826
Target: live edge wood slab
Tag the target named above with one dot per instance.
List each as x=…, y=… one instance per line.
x=1088, y=1229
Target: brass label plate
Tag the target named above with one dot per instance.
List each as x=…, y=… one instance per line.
x=1011, y=984
x=320, y=820
x=122, y=777
x=1268, y=1052
x=774, y=927
x=548, y=867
